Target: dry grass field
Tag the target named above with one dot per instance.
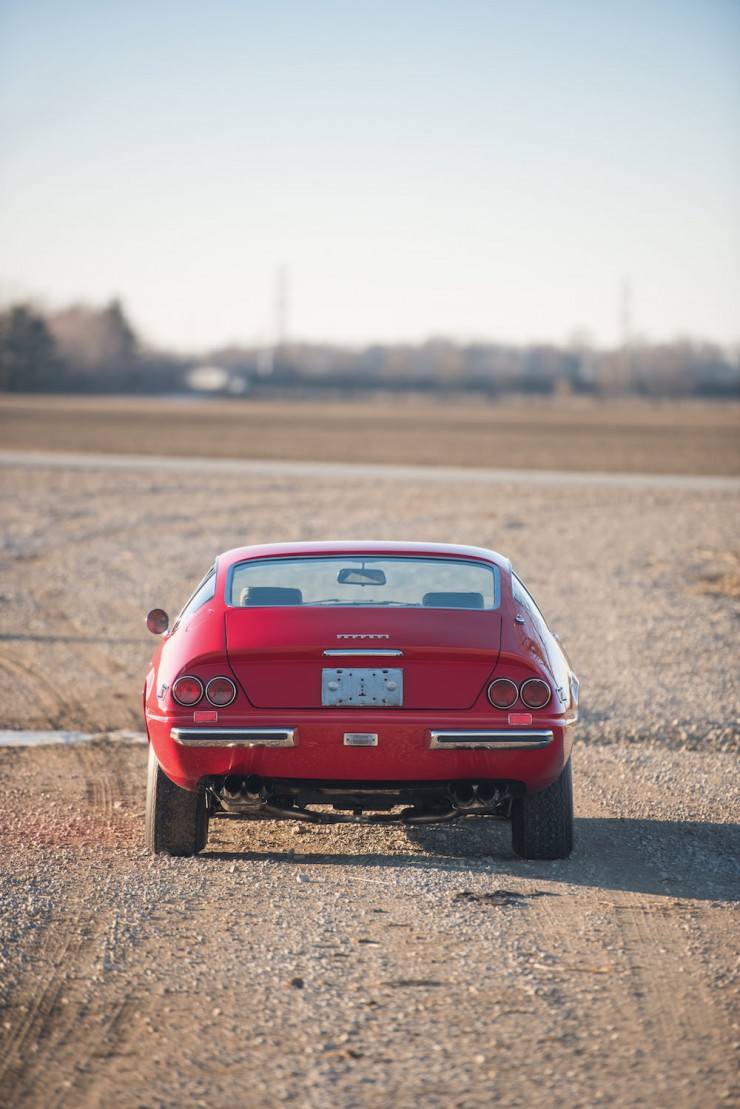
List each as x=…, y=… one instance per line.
x=629, y=436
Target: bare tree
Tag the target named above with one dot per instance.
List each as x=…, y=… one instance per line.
x=99, y=345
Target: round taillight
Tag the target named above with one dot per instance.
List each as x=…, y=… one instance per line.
x=220, y=692
x=535, y=693
x=502, y=693
x=187, y=690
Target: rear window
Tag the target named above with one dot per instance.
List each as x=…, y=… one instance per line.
x=358, y=581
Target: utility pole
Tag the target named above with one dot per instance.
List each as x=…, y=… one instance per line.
x=626, y=327
x=269, y=357
x=625, y=315
x=281, y=307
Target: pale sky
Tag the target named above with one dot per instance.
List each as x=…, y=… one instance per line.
x=477, y=169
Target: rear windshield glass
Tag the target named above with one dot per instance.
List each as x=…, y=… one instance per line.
x=415, y=582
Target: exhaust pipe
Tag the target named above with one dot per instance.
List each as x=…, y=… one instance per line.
x=412, y=816
x=466, y=797
x=243, y=794
x=243, y=789
x=254, y=788
x=232, y=787
x=487, y=793
x=463, y=796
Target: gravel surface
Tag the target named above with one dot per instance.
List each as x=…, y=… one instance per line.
x=631, y=579
x=368, y=967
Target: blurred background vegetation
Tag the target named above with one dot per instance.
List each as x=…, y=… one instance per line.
x=85, y=349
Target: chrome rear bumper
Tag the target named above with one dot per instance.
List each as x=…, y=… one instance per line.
x=234, y=737
x=509, y=739
x=498, y=740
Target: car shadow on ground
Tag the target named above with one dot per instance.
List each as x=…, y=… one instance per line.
x=687, y=859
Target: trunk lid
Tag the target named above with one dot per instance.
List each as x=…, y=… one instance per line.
x=279, y=654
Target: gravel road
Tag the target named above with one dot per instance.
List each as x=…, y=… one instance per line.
x=369, y=967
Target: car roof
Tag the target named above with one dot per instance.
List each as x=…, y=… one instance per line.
x=355, y=547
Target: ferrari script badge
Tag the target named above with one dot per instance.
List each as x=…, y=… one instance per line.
x=362, y=636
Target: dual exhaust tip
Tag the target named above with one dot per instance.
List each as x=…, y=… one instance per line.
x=236, y=788
x=469, y=796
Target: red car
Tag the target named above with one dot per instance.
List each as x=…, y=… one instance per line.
x=360, y=683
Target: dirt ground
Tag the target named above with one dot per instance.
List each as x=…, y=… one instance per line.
x=368, y=967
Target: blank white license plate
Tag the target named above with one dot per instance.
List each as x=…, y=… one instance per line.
x=361, y=688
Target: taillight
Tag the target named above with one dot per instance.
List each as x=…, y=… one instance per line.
x=535, y=693
x=502, y=693
x=220, y=692
x=187, y=690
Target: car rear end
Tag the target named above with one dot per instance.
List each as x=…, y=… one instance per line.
x=406, y=683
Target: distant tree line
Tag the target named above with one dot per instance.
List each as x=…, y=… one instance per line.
x=678, y=369
x=83, y=349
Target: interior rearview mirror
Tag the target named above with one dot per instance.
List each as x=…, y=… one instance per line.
x=352, y=576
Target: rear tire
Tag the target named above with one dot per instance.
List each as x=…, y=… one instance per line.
x=176, y=819
x=542, y=823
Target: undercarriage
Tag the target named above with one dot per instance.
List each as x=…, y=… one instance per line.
x=322, y=802
x=177, y=819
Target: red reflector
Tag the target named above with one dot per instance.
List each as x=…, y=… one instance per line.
x=205, y=716
x=520, y=717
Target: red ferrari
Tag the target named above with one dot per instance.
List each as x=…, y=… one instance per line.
x=360, y=683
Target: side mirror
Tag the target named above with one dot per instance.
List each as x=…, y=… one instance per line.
x=157, y=621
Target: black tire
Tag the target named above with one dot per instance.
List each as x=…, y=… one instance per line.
x=176, y=820
x=542, y=823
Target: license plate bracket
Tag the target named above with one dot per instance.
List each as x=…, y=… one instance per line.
x=361, y=688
